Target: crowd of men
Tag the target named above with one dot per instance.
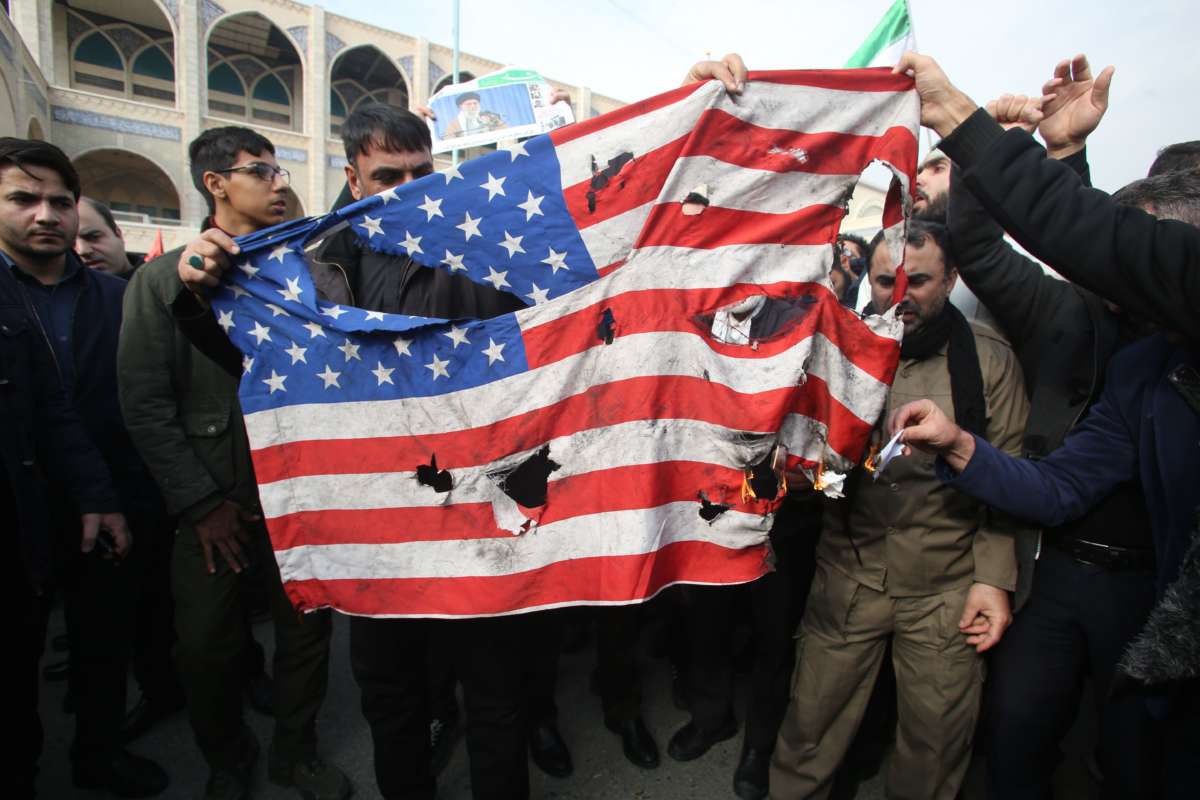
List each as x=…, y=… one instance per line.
x=1041, y=530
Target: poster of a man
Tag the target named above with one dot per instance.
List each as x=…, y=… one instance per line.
x=472, y=117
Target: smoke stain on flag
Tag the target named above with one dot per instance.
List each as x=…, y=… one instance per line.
x=429, y=475
x=607, y=327
x=709, y=510
x=603, y=178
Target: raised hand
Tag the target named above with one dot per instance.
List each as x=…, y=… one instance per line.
x=943, y=106
x=1016, y=111
x=1073, y=104
x=730, y=70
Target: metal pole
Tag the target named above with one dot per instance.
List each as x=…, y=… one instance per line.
x=454, y=66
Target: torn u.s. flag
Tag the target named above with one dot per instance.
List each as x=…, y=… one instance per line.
x=626, y=430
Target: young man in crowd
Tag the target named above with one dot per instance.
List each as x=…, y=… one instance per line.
x=65, y=400
x=903, y=559
x=185, y=419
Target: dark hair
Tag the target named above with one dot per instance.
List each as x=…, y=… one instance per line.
x=1171, y=195
x=1176, y=157
x=876, y=241
x=394, y=129
x=922, y=231
x=858, y=240
x=218, y=149
x=21, y=153
x=103, y=210
x=465, y=96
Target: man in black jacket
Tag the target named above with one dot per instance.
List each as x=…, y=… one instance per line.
x=1095, y=583
x=42, y=292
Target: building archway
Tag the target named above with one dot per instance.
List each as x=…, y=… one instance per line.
x=463, y=77
x=35, y=131
x=8, y=111
x=254, y=73
x=136, y=189
x=361, y=76
x=125, y=49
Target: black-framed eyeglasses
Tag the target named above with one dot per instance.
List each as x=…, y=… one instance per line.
x=264, y=172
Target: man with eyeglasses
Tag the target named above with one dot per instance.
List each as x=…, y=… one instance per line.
x=185, y=419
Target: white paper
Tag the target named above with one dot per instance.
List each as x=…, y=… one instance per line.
x=890, y=451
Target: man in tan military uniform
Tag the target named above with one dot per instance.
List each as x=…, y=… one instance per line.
x=905, y=558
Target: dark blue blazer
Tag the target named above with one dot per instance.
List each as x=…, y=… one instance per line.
x=1142, y=429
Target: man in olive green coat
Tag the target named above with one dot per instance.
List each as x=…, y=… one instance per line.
x=182, y=411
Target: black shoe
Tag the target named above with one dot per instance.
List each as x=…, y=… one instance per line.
x=637, y=742
x=443, y=735
x=549, y=751
x=57, y=671
x=260, y=694
x=146, y=714
x=122, y=774
x=690, y=742
x=750, y=777
x=60, y=643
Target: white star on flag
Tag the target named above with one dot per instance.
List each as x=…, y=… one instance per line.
x=401, y=344
x=494, y=186
x=225, y=320
x=439, y=367
x=333, y=311
x=539, y=296
x=275, y=382
x=515, y=149
x=247, y=364
x=383, y=374
x=277, y=311
x=330, y=377
x=556, y=261
x=532, y=206
x=388, y=195
x=470, y=227
x=458, y=336
x=261, y=332
x=293, y=290
x=454, y=262
x=451, y=173
x=314, y=330
x=349, y=350
x=297, y=353
x=432, y=208
x=497, y=279
x=372, y=225
x=238, y=292
x=512, y=244
x=279, y=252
x=249, y=269
x=493, y=352
x=379, y=315
x=411, y=244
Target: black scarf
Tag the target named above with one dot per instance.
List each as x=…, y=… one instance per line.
x=966, y=378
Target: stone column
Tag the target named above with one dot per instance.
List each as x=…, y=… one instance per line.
x=33, y=20
x=418, y=93
x=191, y=97
x=583, y=106
x=316, y=116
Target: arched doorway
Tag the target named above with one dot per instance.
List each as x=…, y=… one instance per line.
x=254, y=73
x=35, y=130
x=295, y=209
x=136, y=189
x=124, y=49
x=361, y=76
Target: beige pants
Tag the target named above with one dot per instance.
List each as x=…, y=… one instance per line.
x=939, y=680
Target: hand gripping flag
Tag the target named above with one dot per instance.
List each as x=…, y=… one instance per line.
x=625, y=431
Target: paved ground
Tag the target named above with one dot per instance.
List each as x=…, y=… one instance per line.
x=601, y=771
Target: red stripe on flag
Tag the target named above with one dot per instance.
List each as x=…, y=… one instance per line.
x=873, y=79
x=667, y=397
x=611, y=579
x=667, y=225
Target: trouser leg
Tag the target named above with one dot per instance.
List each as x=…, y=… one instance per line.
x=1181, y=739
x=939, y=686
x=389, y=661
x=1034, y=685
x=1112, y=608
x=708, y=614
x=616, y=663
x=490, y=659
x=546, y=630
x=301, y=663
x=32, y=612
x=153, y=666
x=443, y=684
x=209, y=653
x=838, y=652
x=102, y=594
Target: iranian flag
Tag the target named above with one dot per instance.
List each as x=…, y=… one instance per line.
x=890, y=39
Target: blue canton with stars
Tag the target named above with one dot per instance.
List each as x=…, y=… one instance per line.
x=500, y=219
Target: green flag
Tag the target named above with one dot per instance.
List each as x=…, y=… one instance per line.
x=891, y=38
